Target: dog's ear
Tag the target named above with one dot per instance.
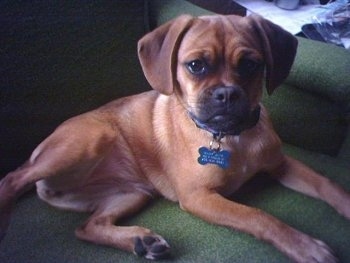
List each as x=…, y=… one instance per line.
x=157, y=53
x=279, y=47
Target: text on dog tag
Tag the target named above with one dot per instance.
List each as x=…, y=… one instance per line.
x=213, y=156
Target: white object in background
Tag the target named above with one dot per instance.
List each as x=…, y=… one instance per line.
x=290, y=20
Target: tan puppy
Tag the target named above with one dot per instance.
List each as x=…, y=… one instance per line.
x=176, y=141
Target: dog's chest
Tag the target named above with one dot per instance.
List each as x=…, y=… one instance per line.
x=246, y=160
x=235, y=178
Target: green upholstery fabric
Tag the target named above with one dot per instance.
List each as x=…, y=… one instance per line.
x=312, y=109
x=307, y=120
x=61, y=58
x=322, y=73
x=344, y=153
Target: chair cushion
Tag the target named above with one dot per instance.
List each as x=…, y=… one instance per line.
x=323, y=69
x=306, y=119
x=40, y=233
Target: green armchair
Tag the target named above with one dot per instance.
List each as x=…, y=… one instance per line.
x=60, y=59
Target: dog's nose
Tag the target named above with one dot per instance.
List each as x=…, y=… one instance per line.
x=226, y=94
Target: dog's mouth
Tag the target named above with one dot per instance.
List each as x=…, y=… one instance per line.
x=227, y=123
x=224, y=110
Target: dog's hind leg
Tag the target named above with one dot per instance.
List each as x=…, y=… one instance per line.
x=72, y=151
x=100, y=228
x=11, y=187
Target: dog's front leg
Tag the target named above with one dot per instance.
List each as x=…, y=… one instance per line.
x=297, y=176
x=214, y=208
x=101, y=227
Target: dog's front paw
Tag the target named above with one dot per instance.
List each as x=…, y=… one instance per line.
x=151, y=247
x=340, y=200
x=322, y=253
x=344, y=207
x=313, y=250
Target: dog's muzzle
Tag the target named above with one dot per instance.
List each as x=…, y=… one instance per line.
x=225, y=111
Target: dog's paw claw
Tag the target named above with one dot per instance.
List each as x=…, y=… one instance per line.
x=151, y=247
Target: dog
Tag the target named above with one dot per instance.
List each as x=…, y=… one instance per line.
x=194, y=139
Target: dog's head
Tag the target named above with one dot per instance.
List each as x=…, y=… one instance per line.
x=216, y=66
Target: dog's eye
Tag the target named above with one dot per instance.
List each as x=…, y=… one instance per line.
x=247, y=67
x=197, y=67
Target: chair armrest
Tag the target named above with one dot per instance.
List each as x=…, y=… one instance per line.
x=322, y=68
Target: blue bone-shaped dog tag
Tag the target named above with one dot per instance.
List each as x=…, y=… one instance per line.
x=213, y=156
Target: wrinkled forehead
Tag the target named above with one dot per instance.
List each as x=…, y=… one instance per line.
x=219, y=36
